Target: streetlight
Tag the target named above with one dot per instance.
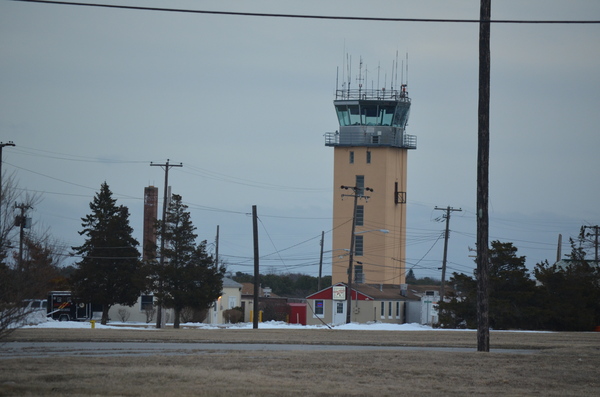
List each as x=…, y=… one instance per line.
x=2, y=145
x=384, y=231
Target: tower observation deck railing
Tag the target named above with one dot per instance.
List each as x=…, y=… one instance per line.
x=362, y=136
x=372, y=94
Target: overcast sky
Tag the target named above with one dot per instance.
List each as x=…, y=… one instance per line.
x=93, y=94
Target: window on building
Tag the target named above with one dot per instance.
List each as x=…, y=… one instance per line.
x=397, y=309
x=232, y=302
x=390, y=309
x=147, y=302
x=382, y=309
x=358, y=245
x=360, y=184
x=340, y=308
x=360, y=215
x=351, y=157
x=368, y=157
x=319, y=308
x=359, y=276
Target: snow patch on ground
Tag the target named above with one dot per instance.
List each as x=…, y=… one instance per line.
x=38, y=320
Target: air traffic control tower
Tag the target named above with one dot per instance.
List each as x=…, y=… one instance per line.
x=370, y=151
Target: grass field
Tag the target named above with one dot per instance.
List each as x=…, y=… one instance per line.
x=565, y=364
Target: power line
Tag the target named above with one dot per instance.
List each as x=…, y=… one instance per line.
x=300, y=16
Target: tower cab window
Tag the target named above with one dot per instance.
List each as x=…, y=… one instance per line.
x=364, y=114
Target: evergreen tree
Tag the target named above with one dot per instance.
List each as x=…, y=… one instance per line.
x=512, y=290
x=189, y=276
x=513, y=299
x=460, y=311
x=410, y=277
x=570, y=292
x=110, y=271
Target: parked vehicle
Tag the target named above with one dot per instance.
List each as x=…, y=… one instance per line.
x=63, y=306
x=31, y=305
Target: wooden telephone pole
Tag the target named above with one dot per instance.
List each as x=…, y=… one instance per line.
x=483, y=155
x=256, y=268
x=162, y=237
x=357, y=192
x=446, y=237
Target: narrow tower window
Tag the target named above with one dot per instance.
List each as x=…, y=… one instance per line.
x=368, y=157
x=360, y=215
x=358, y=245
x=351, y=157
x=359, y=276
x=360, y=184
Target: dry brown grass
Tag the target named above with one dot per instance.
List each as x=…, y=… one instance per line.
x=561, y=364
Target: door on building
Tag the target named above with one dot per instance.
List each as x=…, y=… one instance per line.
x=339, y=312
x=215, y=312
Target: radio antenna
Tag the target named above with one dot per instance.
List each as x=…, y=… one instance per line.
x=349, y=66
x=378, y=73
x=392, y=79
x=397, y=68
x=366, y=77
x=402, y=74
x=407, y=68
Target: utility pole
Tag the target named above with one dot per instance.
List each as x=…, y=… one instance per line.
x=2, y=145
x=559, y=248
x=595, y=233
x=321, y=262
x=483, y=156
x=256, y=268
x=217, y=247
x=446, y=236
x=357, y=193
x=162, y=237
x=23, y=224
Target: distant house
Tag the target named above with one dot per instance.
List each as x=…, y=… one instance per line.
x=144, y=310
x=272, y=305
x=230, y=297
x=423, y=310
x=373, y=303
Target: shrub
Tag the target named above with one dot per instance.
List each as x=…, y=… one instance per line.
x=234, y=315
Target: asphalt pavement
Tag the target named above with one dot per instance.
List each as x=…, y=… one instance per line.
x=10, y=350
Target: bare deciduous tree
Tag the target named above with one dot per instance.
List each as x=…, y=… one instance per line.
x=27, y=274
x=124, y=315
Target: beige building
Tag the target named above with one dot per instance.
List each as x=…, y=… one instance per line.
x=385, y=304
x=370, y=160
x=144, y=309
x=378, y=304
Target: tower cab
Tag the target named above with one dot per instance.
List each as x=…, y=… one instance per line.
x=374, y=118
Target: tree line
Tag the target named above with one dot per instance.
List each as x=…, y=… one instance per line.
x=291, y=285
x=111, y=272
x=564, y=296
x=110, y=269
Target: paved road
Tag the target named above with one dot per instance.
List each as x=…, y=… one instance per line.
x=104, y=349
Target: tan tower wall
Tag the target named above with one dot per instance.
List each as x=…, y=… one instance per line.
x=384, y=254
